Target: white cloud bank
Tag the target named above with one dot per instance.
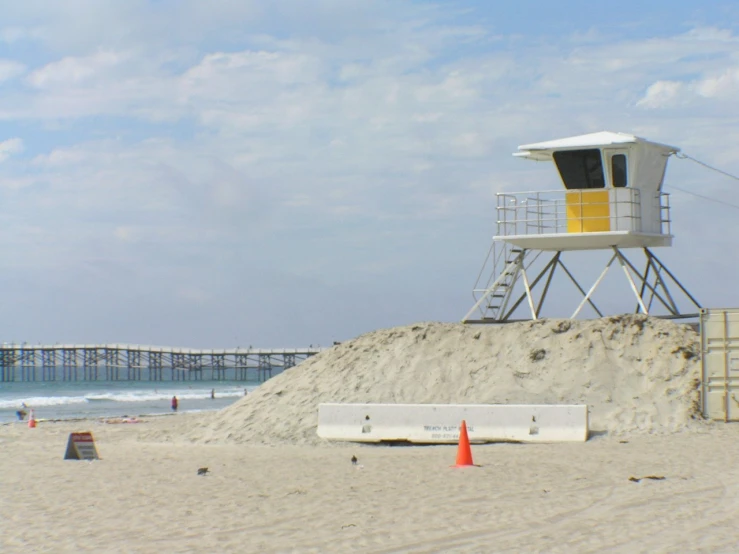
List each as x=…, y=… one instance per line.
x=295, y=175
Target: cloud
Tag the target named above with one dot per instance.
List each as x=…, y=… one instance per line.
x=72, y=71
x=724, y=85
x=12, y=34
x=207, y=149
x=665, y=94
x=10, y=70
x=708, y=56
x=303, y=119
x=661, y=94
x=10, y=147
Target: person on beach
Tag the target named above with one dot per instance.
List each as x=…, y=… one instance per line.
x=174, y=403
x=21, y=414
x=212, y=394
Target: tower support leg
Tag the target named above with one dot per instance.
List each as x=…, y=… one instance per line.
x=494, y=302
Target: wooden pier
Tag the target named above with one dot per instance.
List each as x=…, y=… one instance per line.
x=117, y=362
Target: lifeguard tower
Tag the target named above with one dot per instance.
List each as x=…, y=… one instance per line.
x=612, y=200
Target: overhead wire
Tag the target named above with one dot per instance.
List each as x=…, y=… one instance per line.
x=704, y=197
x=682, y=156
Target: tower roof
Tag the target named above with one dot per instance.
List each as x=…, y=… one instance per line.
x=542, y=151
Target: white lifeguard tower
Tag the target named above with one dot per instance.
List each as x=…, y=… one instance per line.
x=612, y=200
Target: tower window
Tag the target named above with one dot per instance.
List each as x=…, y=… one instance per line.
x=580, y=169
x=618, y=170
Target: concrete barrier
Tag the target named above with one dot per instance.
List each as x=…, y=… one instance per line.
x=439, y=423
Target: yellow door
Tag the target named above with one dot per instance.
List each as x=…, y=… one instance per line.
x=588, y=211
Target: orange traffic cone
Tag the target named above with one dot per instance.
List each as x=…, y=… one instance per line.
x=464, y=453
x=31, y=421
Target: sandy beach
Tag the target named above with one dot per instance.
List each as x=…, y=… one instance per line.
x=653, y=477
x=144, y=495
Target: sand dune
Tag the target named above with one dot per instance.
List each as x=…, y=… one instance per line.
x=637, y=374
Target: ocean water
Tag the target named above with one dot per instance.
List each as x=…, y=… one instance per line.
x=96, y=399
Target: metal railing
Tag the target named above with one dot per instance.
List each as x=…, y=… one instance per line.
x=664, y=213
x=561, y=211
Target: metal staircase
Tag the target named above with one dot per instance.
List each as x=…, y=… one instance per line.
x=492, y=301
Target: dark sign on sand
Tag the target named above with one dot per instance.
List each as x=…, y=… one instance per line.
x=81, y=446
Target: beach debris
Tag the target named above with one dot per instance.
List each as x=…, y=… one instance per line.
x=124, y=419
x=537, y=355
x=203, y=471
x=348, y=525
x=652, y=477
x=354, y=460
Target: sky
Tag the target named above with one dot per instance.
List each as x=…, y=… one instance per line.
x=279, y=174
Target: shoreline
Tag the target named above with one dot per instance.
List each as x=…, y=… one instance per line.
x=141, y=417
x=82, y=400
